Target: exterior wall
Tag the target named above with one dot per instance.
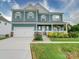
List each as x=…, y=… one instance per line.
x=22, y=16
x=39, y=17
x=48, y=16
x=30, y=19
x=40, y=10
x=5, y=28
x=23, y=25
x=60, y=15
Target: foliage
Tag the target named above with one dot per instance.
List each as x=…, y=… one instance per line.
x=73, y=34
x=57, y=34
x=74, y=28
x=7, y=35
x=63, y=35
x=38, y=37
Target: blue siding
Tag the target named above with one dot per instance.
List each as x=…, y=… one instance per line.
x=51, y=19
x=23, y=25
x=18, y=19
x=30, y=19
x=39, y=17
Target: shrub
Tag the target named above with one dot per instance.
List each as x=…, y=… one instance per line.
x=38, y=37
x=58, y=35
x=7, y=35
x=73, y=34
x=50, y=34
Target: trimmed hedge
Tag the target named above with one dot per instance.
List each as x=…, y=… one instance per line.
x=62, y=35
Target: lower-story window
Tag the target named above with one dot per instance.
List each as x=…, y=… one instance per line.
x=39, y=28
x=47, y=27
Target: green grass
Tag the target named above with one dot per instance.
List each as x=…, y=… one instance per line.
x=54, y=51
x=64, y=39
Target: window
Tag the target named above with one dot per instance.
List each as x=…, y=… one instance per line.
x=43, y=18
x=55, y=17
x=17, y=15
x=47, y=27
x=39, y=27
x=30, y=15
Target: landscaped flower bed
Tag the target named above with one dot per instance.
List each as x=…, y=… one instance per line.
x=38, y=37
x=63, y=35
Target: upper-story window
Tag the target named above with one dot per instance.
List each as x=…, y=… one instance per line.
x=56, y=17
x=18, y=15
x=43, y=18
x=30, y=15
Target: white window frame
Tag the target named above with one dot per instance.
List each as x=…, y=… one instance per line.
x=43, y=17
x=39, y=27
x=30, y=14
x=56, y=17
x=47, y=27
x=17, y=14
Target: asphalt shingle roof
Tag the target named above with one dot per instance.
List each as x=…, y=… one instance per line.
x=4, y=19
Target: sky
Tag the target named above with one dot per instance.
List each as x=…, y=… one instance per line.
x=70, y=8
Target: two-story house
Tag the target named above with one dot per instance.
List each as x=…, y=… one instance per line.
x=36, y=18
x=5, y=26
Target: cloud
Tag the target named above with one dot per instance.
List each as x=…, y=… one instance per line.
x=6, y=0
x=45, y=4
x=74, y=17
x=71, y=8
x=69, y=5
x=16, y=6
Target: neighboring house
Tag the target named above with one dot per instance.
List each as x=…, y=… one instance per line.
x=36, y=18
x=5, y=26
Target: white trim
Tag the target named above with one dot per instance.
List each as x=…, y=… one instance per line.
x=36, y=23
x=17, y=14
x=24, y=15
x=43, y=17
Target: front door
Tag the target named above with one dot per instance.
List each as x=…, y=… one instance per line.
x=44, y=30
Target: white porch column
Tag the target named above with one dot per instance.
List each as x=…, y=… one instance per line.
x=24, y=15
x=36, y=20
x=66, y=28
x=52, y=27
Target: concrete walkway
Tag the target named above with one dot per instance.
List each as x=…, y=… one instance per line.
x=15, y=48
x=45, y=38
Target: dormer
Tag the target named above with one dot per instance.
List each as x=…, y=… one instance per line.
x=30, y=6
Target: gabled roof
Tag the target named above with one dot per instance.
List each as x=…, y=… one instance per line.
x=3, y=19
x=42, y=6
x=36, y=6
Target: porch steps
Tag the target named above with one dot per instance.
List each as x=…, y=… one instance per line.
x=45, y=38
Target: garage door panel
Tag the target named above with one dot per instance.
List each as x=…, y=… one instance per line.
x=23, y=31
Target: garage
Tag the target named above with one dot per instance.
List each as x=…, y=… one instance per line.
x=23, y=31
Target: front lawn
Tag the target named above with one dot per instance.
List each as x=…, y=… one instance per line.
x=55, y=51
x=64, y=39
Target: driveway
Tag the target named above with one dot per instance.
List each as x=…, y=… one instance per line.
x=15, y=48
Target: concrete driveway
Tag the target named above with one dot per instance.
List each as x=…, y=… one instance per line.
x=15, y=48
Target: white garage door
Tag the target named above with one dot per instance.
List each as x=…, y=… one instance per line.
x=23, y=31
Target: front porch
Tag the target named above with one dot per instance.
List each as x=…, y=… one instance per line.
x=51, y=28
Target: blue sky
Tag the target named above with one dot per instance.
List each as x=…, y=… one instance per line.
x=70, y=8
